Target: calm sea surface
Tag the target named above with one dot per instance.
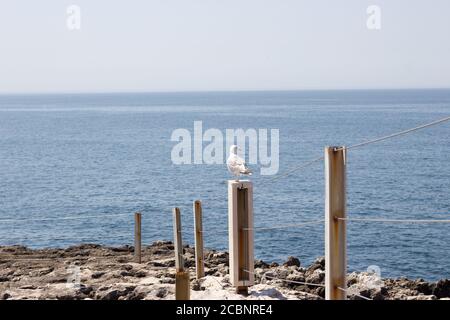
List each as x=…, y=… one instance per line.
x=105, y=155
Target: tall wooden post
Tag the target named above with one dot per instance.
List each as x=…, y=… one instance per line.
x=240, y=226
x=198, y=235
x=335, y=229
x=137, y=237
x=182, y=283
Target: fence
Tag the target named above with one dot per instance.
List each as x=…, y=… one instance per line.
x=335, y=222
x=336, y=218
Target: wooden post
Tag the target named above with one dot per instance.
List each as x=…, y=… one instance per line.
x=137, y=237
x=335, y=229
x=240, y=226
x=182, y=283
x=198, y=234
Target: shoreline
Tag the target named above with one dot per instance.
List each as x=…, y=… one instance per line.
x=90, y=271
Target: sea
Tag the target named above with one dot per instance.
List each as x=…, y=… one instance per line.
x=74, y=168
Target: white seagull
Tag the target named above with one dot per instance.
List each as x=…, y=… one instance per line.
x=236, y=165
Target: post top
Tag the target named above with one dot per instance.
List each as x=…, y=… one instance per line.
x=240, y=184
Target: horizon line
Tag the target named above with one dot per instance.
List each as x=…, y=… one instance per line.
x=217, y=91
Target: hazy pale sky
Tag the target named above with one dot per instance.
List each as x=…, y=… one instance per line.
x=181, y=45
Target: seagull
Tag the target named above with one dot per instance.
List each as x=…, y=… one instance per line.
x=236, y=165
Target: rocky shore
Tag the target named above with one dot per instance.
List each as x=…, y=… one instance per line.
x=106, y=273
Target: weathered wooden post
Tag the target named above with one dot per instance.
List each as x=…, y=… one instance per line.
x=198, y=235
x=182, y=283
x=137, y=237
x=240, y=227
x=335, y=228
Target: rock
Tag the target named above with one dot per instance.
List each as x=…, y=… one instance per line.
x=189, y=263
x=167, y=280
x=316, y=277
x=422, y=286
x=44, y=271
x=5, y=296
x=218, y=257
x=422, y=297
x=210, y=271
x=161, y=292
x=402, y=294
x=114, y=294
x=125, y=248
x=261, y=264
x=28, y=287
x=292, y=261
x=442, y=289
x=318, y=291
x=161, y=243
x=103, y=276
x=283, y=273
x=355, y=294
x=86, y=290
x=97, y=275
x=60, y=278
x=319, y=263
x=297, y=277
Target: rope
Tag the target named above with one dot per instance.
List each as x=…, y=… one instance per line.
x=355, y=294
x=394, y=220
x=308, y=163
x=64, y=218
x=397, y=134
x=290, y=281
x=302, y=166
x=16, y=259
x=286, y=226
x=93, y=237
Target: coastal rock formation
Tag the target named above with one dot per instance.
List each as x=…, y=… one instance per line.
x=91, y=271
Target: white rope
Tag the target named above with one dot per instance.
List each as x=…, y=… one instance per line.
x=117, y=237
x=15, y=258
x=355, y=294
x=290, y=281
x=398, y=133
x=25, y=219
x=301, y=166
x=394, y=220
x=286, y=226
x=308, y=163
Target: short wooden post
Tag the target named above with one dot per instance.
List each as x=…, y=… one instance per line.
x=137, y=237
x=335, y=228
x=240, y=226
x=182, y=283
x=198, y=234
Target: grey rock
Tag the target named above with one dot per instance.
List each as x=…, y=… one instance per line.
x=115, y=294
x=161, y=292
x=442, y=289
x=292, y=261
x=97, y=275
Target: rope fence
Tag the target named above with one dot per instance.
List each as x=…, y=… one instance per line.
x=394, y=220
x=81, y=217
x=334, y=225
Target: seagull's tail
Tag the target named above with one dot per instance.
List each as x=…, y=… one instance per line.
x=247, y=172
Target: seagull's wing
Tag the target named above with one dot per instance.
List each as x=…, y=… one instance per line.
x=243, y=169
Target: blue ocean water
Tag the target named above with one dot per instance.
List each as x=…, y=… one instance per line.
x=105, y=156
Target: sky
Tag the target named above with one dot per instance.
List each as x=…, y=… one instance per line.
x=214, y=45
